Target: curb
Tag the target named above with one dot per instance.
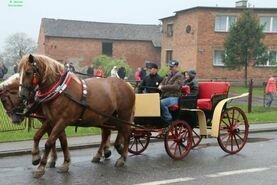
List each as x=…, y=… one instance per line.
x=10, y=153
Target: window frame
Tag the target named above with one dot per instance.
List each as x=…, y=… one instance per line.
x=227, y=24
x=214, y=58
x=271, y=23
x=268, y=61
x=167, y=58
x=169, y=32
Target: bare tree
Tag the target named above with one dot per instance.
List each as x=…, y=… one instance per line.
x=16, y=46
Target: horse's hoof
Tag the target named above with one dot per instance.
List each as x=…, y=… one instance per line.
x=120, y=162
x=38, y=173
x=63, y=169
x=51, y=164
x=96, y=159
x=36, y=161
x=107, y=154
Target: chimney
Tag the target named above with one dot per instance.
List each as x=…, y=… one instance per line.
x=241, y=4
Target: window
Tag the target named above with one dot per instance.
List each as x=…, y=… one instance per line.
x=170, y=30
x=218, y=57
x=272, y=58
x=269, y=22
x=224, y=22
x=272, y=61
x=168, y=55
x=107, y=48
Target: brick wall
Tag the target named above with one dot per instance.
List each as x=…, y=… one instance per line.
x=82, y=51
x=196, y=49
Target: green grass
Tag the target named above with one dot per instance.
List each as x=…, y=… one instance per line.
x=21, y=135
x=259, y=114
x=257, y=91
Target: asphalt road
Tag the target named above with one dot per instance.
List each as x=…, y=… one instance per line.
x=256, y=164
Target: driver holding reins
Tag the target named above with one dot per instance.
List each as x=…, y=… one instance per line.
x=171, y=90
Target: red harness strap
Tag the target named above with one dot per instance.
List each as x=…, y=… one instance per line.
x=54, y=92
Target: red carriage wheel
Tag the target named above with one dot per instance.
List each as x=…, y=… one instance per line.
x=233, y=130
x=178, y=139
x=196, y=137
x=138, y=142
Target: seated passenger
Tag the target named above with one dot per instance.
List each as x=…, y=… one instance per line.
x=171, y=90
x=191, y=82
x=151, y=82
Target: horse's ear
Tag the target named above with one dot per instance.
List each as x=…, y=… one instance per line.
x=31, y=58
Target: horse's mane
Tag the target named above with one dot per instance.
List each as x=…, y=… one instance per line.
x=52, y=68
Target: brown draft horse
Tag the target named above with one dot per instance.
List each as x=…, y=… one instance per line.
x=111, y=97
x=12, y=104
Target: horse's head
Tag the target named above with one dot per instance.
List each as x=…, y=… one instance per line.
x=37, y=71
x=10, y=100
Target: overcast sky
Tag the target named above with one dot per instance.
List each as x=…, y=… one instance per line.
x=27, y=18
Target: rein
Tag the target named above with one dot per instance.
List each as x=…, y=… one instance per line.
x=100, y=113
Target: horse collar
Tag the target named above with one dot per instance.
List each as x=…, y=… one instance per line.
x=56, y=90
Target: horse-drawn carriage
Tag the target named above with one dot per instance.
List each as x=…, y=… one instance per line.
x=191, y=119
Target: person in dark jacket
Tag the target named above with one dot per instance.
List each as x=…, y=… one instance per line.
x=171, y=89
x=151, y=82
x=90, y=70
x=142, y=73
x=121, y=72
x=191, y=82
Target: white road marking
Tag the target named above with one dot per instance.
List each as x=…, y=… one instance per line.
x=167, y=181
x=252, y=170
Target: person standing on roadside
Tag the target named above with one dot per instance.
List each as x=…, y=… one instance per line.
x=270, y=90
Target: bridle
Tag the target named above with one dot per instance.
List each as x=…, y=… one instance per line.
x=34, y=82
x=16, y=108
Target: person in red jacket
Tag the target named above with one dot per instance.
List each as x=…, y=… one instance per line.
x=137, y=76
x=270, y=90
x=99, y=72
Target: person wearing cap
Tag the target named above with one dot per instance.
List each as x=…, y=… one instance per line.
x=171, y=90
x=114, y=72
x=151, y=82
x=191, y=82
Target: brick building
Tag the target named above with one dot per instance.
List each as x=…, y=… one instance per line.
x=80, y=41
x=195, y=37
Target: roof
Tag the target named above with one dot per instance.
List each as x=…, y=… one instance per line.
x=218, y=8
x=101, y=30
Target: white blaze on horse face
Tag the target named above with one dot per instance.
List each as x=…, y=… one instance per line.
x=20, y=80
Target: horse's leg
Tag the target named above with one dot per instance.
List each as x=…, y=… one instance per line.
x=107, y=151
x=57, y=130
x=105, y=138
x=52, y=161
x=123, y=138
x=66, y=163
x=35, y=149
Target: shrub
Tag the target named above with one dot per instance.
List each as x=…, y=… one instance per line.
x=163, y=71
x=107, y=64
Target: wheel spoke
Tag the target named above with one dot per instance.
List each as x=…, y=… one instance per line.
x=228, y=118
x=227, y=141
x=236, y=141
x=233, y=116
x=231, y=142
x=132, y=144
x=240, y=137
x=226, y=124
x=141, y=143
x=180, y=149
x=136, y=145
